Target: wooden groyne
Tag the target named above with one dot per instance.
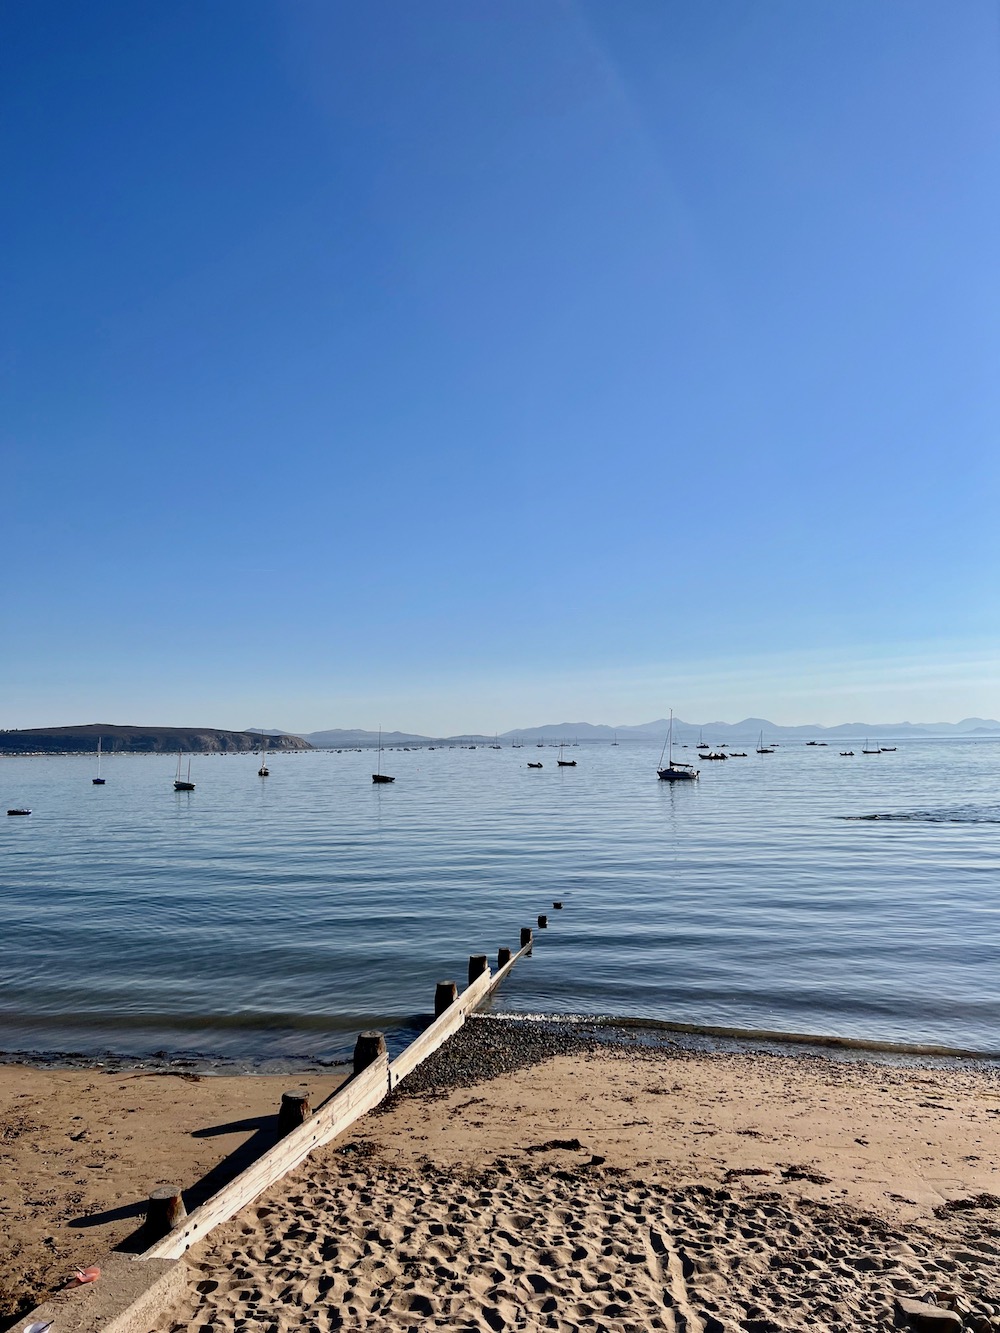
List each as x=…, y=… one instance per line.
x=133, y=1290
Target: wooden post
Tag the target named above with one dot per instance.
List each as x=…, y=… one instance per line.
x=164, y=1210
x=503, y=957
x=477, y=966
x=525, y=935
x=444, y=996
x=295, y=1110
x=543, y=922
x=367, y=1049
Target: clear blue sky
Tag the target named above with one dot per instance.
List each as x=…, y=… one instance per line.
x=475, y=365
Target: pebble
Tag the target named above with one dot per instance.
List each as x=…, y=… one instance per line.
x=486, y=1048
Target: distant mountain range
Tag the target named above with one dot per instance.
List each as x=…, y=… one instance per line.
x=684, y=732
x=751, y=727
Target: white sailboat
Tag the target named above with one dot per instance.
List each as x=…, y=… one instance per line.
x=674, y=772
x=761, y=747
x=98, y=781
x=263, y=771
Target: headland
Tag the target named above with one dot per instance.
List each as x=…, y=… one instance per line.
x=141, y=740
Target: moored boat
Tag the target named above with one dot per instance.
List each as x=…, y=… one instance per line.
x=379, y=776
x=183, y=784
x=674, y=771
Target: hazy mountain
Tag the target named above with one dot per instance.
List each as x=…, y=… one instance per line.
x=750, y=728
x=684, y=732
x=338, y=738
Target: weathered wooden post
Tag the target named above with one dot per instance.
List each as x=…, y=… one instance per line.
x=367, y=1049
x=543, y=922
x=295, y=1110
x=444, y=997
x=525, y=935
x=503, y=957
x=477, y=966
x=164, y=1210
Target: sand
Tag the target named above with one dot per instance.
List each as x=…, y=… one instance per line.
x=630, y=1190
x=80, y=1151
x=618, y=1189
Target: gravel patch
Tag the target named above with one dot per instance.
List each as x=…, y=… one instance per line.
x=486, y=1048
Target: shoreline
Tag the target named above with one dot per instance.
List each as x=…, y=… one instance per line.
x=81, y=1149
x=705, y=1037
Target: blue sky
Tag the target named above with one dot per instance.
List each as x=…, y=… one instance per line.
x=470, y=365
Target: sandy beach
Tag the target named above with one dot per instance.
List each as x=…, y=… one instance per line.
x=81, y=1149
x=586, y=1187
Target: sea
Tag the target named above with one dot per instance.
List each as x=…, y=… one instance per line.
x=261, y=921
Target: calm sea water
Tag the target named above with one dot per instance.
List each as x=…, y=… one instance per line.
x=256, y=919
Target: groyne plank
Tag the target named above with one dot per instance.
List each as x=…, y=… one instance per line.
x=336, y=1114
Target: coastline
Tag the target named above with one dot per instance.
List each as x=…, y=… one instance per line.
x=729, y=1157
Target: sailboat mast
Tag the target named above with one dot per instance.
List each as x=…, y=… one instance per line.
x=668, y=741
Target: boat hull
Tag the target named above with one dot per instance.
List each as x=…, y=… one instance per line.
x=677, y=774
x=381, y=777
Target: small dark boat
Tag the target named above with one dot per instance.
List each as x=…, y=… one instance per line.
x=19, y=812
x=380, y=776
x=887, y=749
x=866, y=750
x=737, y=754
x=761, y=747
x=715, y=754
x=98, y=781
x=847, y=754
x=531, y=765
x=565, y=763
x=179, y=784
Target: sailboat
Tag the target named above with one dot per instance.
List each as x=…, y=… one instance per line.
x=615, y=741
x=866, y=750
x=565, y=763
x=380, y=776
x=674, y=772
x=179, y=783
x=98, y=781
x=761, y=747
x=264, y=771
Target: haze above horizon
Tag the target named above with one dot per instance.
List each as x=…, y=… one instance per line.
x=443, y=364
